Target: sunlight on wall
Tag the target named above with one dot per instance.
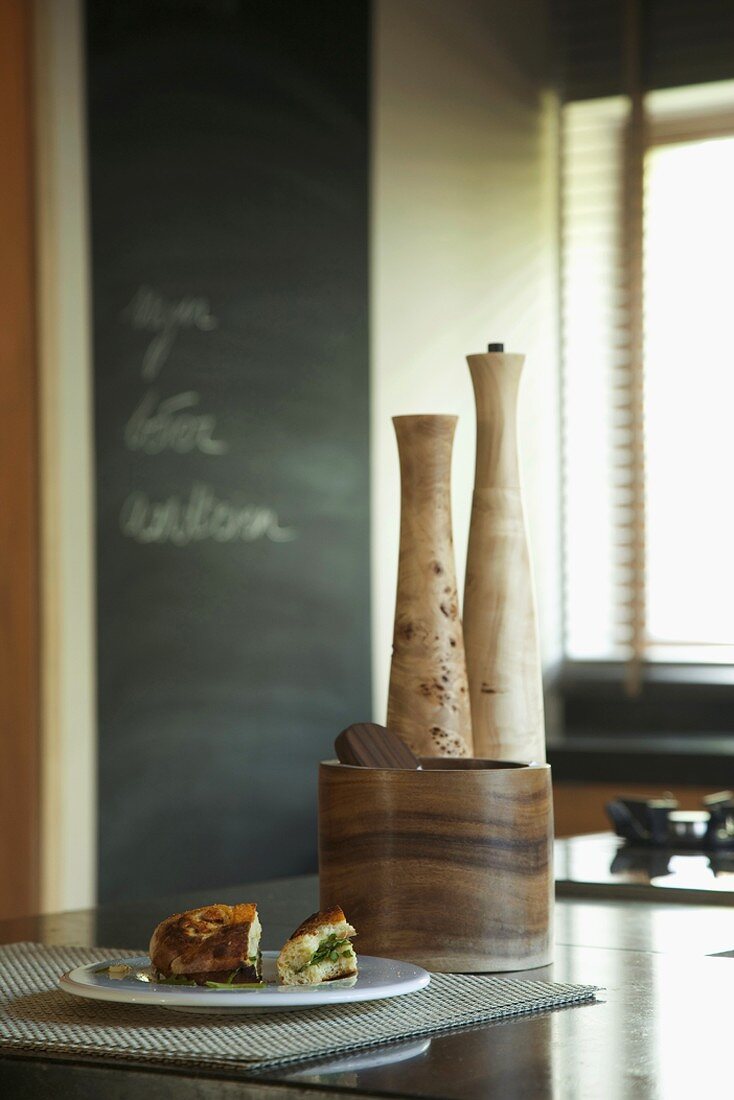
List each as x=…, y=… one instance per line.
x=463, y=253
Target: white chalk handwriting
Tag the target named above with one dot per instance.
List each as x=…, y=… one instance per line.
x=182, y=520
x=157, y=425
x=149, y=311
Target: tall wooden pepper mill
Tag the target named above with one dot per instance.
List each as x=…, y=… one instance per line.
x=500, y=626
x=428, y=702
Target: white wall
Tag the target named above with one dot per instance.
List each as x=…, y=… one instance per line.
x=463, y=252
x=68, y=826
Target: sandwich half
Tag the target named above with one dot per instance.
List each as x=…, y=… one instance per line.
x=218, y=944
x=319, y=950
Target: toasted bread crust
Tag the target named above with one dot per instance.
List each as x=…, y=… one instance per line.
x=312, y=924
x=213, y=939
x=338, y=977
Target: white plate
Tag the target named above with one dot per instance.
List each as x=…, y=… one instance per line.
x=377, y=979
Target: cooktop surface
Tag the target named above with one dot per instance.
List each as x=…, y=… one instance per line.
x=602, y=865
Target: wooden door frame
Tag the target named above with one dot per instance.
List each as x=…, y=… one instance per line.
x=19, y=477
x=47, y=614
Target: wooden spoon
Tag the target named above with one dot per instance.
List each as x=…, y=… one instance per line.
x=368, y=745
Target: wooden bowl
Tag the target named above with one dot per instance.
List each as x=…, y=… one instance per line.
x=450, y=867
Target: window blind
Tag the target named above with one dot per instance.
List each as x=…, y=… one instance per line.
x=609, y=267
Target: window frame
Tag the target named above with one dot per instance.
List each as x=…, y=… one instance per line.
x=669, y=697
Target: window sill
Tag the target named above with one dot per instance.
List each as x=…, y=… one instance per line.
x=675, y=674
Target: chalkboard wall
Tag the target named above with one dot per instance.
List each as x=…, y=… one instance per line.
x=228, y=152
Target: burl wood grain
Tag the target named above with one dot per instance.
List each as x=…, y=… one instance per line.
x=500, y=625
x=450, y=868
x=428, y=701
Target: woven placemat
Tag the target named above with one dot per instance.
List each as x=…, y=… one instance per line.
x=37, y=1016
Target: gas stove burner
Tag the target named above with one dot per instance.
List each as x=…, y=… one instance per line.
x=659, y=823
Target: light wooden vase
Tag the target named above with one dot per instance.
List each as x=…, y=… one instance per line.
x=450, y=867
x=428, y=702
x=500, y=625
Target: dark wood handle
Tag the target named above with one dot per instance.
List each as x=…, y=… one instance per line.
x=368, y=745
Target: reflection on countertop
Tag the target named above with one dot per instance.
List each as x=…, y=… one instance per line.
x=602, y=865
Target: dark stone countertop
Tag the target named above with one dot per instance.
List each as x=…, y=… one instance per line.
x=660, y=1030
